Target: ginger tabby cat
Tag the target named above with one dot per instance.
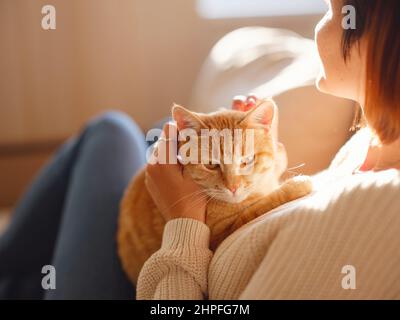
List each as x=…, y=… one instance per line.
x=234, y=198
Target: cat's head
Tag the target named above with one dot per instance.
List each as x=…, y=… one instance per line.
x=246, y=174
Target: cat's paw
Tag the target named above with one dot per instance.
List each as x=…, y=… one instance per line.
x=299, y=186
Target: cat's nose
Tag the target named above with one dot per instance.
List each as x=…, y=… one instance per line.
x=233, y=189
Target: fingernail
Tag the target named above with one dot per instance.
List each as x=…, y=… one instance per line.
x=251, y=100
x=238, y=105
x=252, y=95
x=239, y=98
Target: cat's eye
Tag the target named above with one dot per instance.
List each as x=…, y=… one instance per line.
x=247, y=161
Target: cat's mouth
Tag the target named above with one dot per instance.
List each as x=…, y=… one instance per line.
x=230, y=198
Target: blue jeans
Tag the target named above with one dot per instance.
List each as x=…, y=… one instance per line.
x=68, y=217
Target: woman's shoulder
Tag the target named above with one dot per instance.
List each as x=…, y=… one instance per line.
x=365, y=191
x=346, y=193
x=335, y=180
x=382, y=181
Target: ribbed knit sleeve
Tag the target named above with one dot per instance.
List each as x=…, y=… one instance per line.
x=179, y=269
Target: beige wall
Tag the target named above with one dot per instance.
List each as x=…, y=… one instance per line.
x=133, y=55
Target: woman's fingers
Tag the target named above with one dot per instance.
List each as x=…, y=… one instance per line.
x=175, y=195
x=243, y=103
x=251, y=101
x=168, y=143
x=238, y=103
x=164, y=159
x=165, y=149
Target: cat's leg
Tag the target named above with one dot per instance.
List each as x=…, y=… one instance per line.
x=290, y=190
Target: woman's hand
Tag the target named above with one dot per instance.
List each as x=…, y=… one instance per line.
x=243, y=103
x=175, y=196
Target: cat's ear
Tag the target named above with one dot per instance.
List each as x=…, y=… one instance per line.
x=261, y=116
x=186, y=119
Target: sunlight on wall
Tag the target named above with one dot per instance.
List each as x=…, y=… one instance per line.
x=272, y=49
x=219, y=9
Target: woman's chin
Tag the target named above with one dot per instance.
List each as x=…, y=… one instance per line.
x=321, y=84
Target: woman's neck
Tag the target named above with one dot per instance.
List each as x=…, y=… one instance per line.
x=382, y=157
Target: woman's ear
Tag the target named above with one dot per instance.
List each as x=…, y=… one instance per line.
x=186, y=119
x=261, y=116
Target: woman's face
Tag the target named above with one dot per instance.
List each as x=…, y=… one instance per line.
x=337, y=77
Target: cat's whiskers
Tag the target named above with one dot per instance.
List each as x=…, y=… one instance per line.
x=215, y=193
x=193, y=194
x=200, y=195
x=297, y=167
x=210, y=198
x=294, y=173
x=199, y=200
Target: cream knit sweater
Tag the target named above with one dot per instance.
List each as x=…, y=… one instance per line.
x=297, y=251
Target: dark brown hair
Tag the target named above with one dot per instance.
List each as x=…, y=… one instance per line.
x=379, y=21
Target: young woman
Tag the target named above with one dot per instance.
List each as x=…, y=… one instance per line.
x=68, y=217
x=300, y=250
